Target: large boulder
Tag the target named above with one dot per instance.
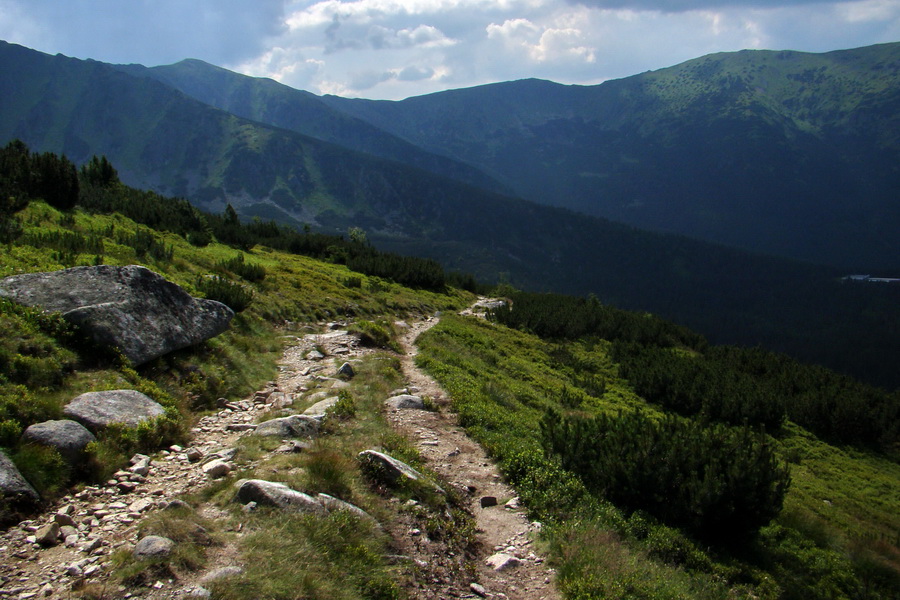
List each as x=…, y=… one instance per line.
x=69, y=438
x=14, y=489
x=130, y=308
x=293, y=426
x=97, y=410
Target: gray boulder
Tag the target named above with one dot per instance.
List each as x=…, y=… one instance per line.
x=333, y=504
x=290, y=427
x=153, y=546
x=394, y=471
x=13, y=487
x=68, y=437
x=319, y=408
x=406, y=401
x=271, y=493
x=96, y=410
x=130, y=308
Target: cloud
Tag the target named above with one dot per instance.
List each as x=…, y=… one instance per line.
x=542, y=44
x=415, y=73
x=674, y=6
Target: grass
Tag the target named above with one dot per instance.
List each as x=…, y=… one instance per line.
x=339, y=556
x=43, y=363
x=837, y=537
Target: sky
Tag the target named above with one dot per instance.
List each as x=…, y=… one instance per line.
x=393, y=49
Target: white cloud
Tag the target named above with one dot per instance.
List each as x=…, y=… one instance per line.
x=398, y=48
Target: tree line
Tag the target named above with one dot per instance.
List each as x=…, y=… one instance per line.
x=676, y=369
x=96, y=188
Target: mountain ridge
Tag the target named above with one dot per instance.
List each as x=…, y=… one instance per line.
x=158, y=137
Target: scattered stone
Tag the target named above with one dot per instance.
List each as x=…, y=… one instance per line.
x=332, y=504
x=130, y=308
x=346, y=370
x=177, y=504
x=200, y=592
x=319, y=408
x=314, y=355
x=139, y=506
x=270, y=493
x=217, y=468
x=488, y=501
x=68, y=437
x=194, y=455
x=220, y=574
x=406, y=401
x=292, y=426
x=393, y=470
x=153, y=546
x=478, y=589
x=238, y=427
x=502, y=561
x=48, y=535
x=96, y=410
x=513, y=504
x=64, y=519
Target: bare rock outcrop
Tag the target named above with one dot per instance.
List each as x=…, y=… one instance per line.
x=130, y=308
x=97, y=410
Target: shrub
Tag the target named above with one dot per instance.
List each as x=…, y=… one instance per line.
x=243, y=269
x=719, y=483
x=233, y=295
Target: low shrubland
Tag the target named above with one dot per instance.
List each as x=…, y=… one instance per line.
x=612, y=522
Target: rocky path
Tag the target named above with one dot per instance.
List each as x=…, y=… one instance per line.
x=508, y=566
x=67, y=548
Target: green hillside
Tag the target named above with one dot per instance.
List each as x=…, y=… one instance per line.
x=784, y=153
x=160, y=139
x=812, y=487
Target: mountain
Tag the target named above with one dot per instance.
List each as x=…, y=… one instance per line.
x=159, y=138
x=272, y=103
x=784, y=153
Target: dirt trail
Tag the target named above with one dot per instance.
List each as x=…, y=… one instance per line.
x=105, y=517
x=503, y=529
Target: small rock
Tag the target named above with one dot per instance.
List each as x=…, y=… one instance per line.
x=222, y=573
x=406, y=401
x=153, y=546
x=478, y=589
x=502, y=561
x=74, y=570
x=48, y=535
x=488, y=501
x=64, y=519
x=217, y=468
x=346, y=370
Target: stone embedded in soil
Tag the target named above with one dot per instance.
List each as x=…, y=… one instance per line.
x=502, y=561
x=153, y=546
x=393, y=470
x=287, y=427
x=405, y=401
x=488, y=501
x=271, y=493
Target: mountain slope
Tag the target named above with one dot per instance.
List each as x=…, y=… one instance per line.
x=781, y=152
x=159, y=138
x=272, y=103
